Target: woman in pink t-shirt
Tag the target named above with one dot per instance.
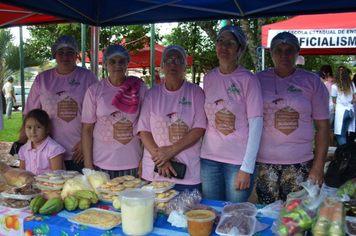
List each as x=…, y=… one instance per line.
x=42, y=154
x=233, y=105
x=110, y=115
x=292, y=100
x=172, y=121
x=60, y=92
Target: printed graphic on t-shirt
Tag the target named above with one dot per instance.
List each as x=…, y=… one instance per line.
x=283, y=119
x=116, y=128
x=61, y=105
x=67, y=109
x=219, y=118
x=178, y=128
x=225, y=121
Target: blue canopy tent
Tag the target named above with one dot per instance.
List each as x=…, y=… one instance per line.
x=123, y=12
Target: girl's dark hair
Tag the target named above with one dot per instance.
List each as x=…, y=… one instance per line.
x=39, y=115
x=342, y=80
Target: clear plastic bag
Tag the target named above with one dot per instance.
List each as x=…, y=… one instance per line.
x=301, y=206
x=78, y=182
x=272, y=210
x=95, y=178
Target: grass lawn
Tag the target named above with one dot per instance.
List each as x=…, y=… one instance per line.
x=11, y=130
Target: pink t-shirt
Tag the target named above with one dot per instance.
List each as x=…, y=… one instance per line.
x=61, y=96
x=115, y=143
x=230, y=100
x=38, y=160
x=328, y=85
x=288, y=131
x=169, y=115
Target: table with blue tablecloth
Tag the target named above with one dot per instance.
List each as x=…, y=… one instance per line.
x=59, y=225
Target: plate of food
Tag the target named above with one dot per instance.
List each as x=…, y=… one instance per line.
x=97, y=218
x=26, y=191
x=159, y=186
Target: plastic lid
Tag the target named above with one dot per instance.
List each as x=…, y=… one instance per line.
x=137, y=195
x=200, y=215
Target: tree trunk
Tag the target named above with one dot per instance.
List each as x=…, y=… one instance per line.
x=251, y=43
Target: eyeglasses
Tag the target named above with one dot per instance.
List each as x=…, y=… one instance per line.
x=230, y=43
x=69, y=53
x=176, y=61
x=121, y=62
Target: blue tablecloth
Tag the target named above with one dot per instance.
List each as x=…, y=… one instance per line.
x=59, y=225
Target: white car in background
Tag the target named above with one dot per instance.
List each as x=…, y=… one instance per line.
x=18, y=96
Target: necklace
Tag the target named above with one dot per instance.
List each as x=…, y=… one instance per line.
x=275, y=83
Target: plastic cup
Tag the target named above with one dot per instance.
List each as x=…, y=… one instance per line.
x=200, y=222
x=137, y=211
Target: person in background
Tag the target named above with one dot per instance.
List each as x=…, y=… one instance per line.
x=9, y=92
x=321, y=75
x=292, y=99
x=352, y=137
x=1, y=117
x=328, y=71
x=42, y=154
x=60, y=92
x=329, y=80
x=172, y=121
x=110, y=114
x=233, y=105
x=343, y=94
x=158, y=79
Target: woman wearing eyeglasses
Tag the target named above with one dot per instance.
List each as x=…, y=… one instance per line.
x=110, y=114
x=233, y=106
x=171, y=123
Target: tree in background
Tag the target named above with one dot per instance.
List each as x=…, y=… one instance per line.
x=202, y=35
x=198, y=45
x=132, y=37
x=10, y=57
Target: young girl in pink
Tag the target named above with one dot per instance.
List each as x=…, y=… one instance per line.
x=42, y=154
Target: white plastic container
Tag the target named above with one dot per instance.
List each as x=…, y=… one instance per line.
x=137, y=211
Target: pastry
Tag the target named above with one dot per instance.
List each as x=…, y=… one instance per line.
x=136, y=181
x=129, y=177
x=117, y=188
x=128, y=184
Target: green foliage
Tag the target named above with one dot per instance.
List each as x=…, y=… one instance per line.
x=5, y=39
x=12, y=127
x=43, y=37
x=198, y=45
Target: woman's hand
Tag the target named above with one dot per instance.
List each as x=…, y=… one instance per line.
x=78, y=153
x=163, y=155
x=317, y=174
x=164, y=170
x=139, y=171
x=242, y=180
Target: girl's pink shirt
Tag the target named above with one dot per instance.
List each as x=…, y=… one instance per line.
x=38, y=160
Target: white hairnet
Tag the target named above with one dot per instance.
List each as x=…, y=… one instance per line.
x=239, y=34
x=116, y=50
x=177, y=48
x=285, y=37
x=62, y=42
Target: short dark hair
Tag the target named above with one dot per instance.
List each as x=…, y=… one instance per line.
x=327, y=69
